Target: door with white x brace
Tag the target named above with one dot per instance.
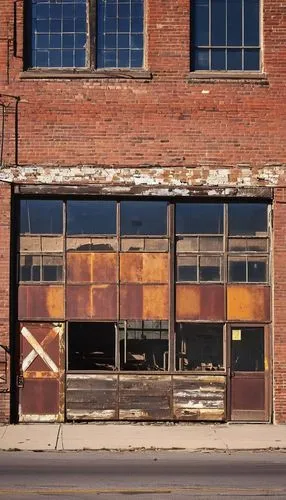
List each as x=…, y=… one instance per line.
x=41, y=391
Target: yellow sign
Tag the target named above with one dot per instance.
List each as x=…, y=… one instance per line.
x=236, y=334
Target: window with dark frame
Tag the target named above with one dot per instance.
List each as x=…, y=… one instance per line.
x=225, y=35
x=84, y=34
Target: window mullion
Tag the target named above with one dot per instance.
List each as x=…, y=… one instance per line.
x=91, y=29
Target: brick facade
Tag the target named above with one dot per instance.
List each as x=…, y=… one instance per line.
x=5, y=202
x=164, y=130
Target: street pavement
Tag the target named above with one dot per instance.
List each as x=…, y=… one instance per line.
x=142, y=436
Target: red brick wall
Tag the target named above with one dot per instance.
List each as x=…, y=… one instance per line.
x=5, y=199
x=165, y=121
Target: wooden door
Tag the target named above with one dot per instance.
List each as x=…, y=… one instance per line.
x=41, y=395
x=249, y=374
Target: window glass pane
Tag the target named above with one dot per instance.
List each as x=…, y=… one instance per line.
x=199, y=347
x=41, y=216
x=52, y=268
x=91, y=217
x=187, y=268
x=251, y=22
x=186, y=244
x=210, y=269
x=234, y=22
x=201, y=59
x=248, y=245
x=199, y=218
x=91, y=346
x=237, y=269
x=257, y=270
x=143, y=217
x=247, y=218
x=200, y=22
x=218, y=59
x=218, y=22
x=247, y=354
x=120, y=32
x=68, y=20
x=234, y=59
x=251, y=59
x=144, y=345
x=30, y=268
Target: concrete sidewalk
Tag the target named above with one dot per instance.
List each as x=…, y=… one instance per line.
x=132, y=436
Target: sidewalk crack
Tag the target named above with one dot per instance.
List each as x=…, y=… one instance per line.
x=59, y=438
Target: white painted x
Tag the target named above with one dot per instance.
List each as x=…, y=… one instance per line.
x=37, y=351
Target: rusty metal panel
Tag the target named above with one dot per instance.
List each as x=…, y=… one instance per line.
x=248, y=303
x=131, y=267
x=104, y=267
x=155, y=268
x=78, y=301
x=187, y=302
x=40, y=397
x=131, y=302
x=155, y=302
x=200, y=302
x=104, y=302
x=42, y=369
x=145, y=397
x=212, y=303
x=41, y=301
x=144, y=267
x=91, y=397
x=248, y=391
x=79, y=267
x=199, y=397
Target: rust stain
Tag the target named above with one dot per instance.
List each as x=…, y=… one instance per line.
x=79, y=267
x=212, y=302
x=248, y=303
x=187, y=302
x=41, y=301
x=40, y=397
x=131, y=301
x=131, y=267
x=104, y=302
x=104, y=267
x=78, y=301
x=155, y=302
x=155, y=268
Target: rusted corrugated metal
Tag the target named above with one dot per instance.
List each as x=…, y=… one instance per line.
x=42, y=368
x=248, y=303
x=41, y=302
x=104, y=302
x=144, y=267
x=199, y=397
x=200, y=302
x=144, y=397
x=91, y=397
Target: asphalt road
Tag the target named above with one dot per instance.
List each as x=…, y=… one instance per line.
x=143, y=475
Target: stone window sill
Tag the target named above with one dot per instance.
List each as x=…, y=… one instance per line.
x=134, y=74
x=228, y=76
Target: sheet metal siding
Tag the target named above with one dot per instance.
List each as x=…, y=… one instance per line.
x=200, y=302
x=248, y=303
x=41, y=302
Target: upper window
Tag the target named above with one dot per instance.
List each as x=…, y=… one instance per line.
x=226, y=35
x=84, y=33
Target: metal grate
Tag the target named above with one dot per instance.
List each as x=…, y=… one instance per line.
x=119, y=33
